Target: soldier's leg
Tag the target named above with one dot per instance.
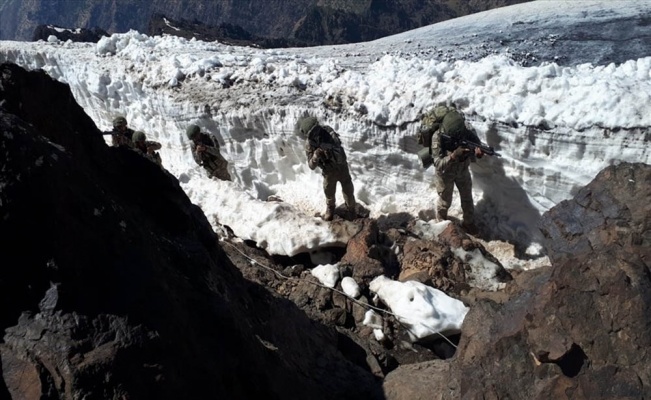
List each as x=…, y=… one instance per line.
x=221, y=168
x=222, y=174
x=349, y=195
x=464, y=185
x=329, y=189
x=444, y=188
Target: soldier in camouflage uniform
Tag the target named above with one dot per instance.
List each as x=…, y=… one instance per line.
x=121, y=135
x=323, y=149
x=452, y=164
x=147, y=147
x=205, y=151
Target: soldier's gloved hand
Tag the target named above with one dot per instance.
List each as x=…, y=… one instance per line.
x=478, y=152
x=320, y=154
x=459, y=153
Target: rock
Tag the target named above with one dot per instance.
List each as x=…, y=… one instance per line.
x=368, y=255
x=433, y=264
x=428, y=380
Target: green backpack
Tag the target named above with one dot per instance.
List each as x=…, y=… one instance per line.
x=431, y=122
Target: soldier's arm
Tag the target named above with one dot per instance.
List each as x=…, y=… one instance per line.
x=212, y=146
x=309, y=153
x=477, y=153
x=442, y=158
x=115, y=138
x=152, y=146
x=195, y=154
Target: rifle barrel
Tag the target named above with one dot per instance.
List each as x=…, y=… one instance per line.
x=471, y=145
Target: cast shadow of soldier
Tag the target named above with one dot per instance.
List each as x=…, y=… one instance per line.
x=519, y=228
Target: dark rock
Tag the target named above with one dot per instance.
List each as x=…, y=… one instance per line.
x=225, y=33
x=118, y=286
x=368, y=255
x=613, y=210
x=433, y=264
x=427, y=380
x=43, y=32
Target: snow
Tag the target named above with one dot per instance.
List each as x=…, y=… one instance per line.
x=328, y=274
x=423, y=310
x=556, y=87
x=350, y=287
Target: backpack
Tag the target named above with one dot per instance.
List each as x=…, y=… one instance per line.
x=430, y=123
x=443, y=119
x=334, y=147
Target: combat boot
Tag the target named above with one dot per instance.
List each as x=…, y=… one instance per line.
x=470, y=228
x=330, y=213
x=351, y=214
x=441, y=215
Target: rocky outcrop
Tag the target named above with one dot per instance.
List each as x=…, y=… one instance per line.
x=225, y=33
x=44, y=32
x=579, y=329
x=114, y=284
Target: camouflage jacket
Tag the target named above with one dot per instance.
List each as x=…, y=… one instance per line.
x=122, y=139
x=441, y=151
x=210, y=158
x=149, y=151
x=324, y=137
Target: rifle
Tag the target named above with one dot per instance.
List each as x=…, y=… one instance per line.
x=468, y=144
x=332, y=153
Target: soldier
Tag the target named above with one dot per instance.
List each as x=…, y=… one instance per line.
x=147, y=147
x=205, y=151
x=452, y=162
x=323, y=149
x=121, y=134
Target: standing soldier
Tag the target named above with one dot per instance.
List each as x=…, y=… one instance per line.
x=452, y=162
x=147, y=147
x=205, y=151
x=121, y=134
x=323, y=149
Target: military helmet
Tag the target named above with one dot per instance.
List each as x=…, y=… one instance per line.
x=192, y=131
x=119, y=121
x=139, y=136
x=306, y=124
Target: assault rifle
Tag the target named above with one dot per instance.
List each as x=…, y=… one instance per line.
x=453, y=143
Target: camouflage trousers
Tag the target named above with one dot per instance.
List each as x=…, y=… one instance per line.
x=445, y=182
x=330, y=179
x=217, y=167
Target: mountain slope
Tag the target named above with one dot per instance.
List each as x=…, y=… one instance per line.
x=310, y=21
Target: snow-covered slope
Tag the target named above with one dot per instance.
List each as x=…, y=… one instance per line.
x=517, y=72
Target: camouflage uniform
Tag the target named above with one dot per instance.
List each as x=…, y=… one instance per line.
x=121, y=135
x=333, y=163
x=451, y=171
x=210, y=158
x=147, y=147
